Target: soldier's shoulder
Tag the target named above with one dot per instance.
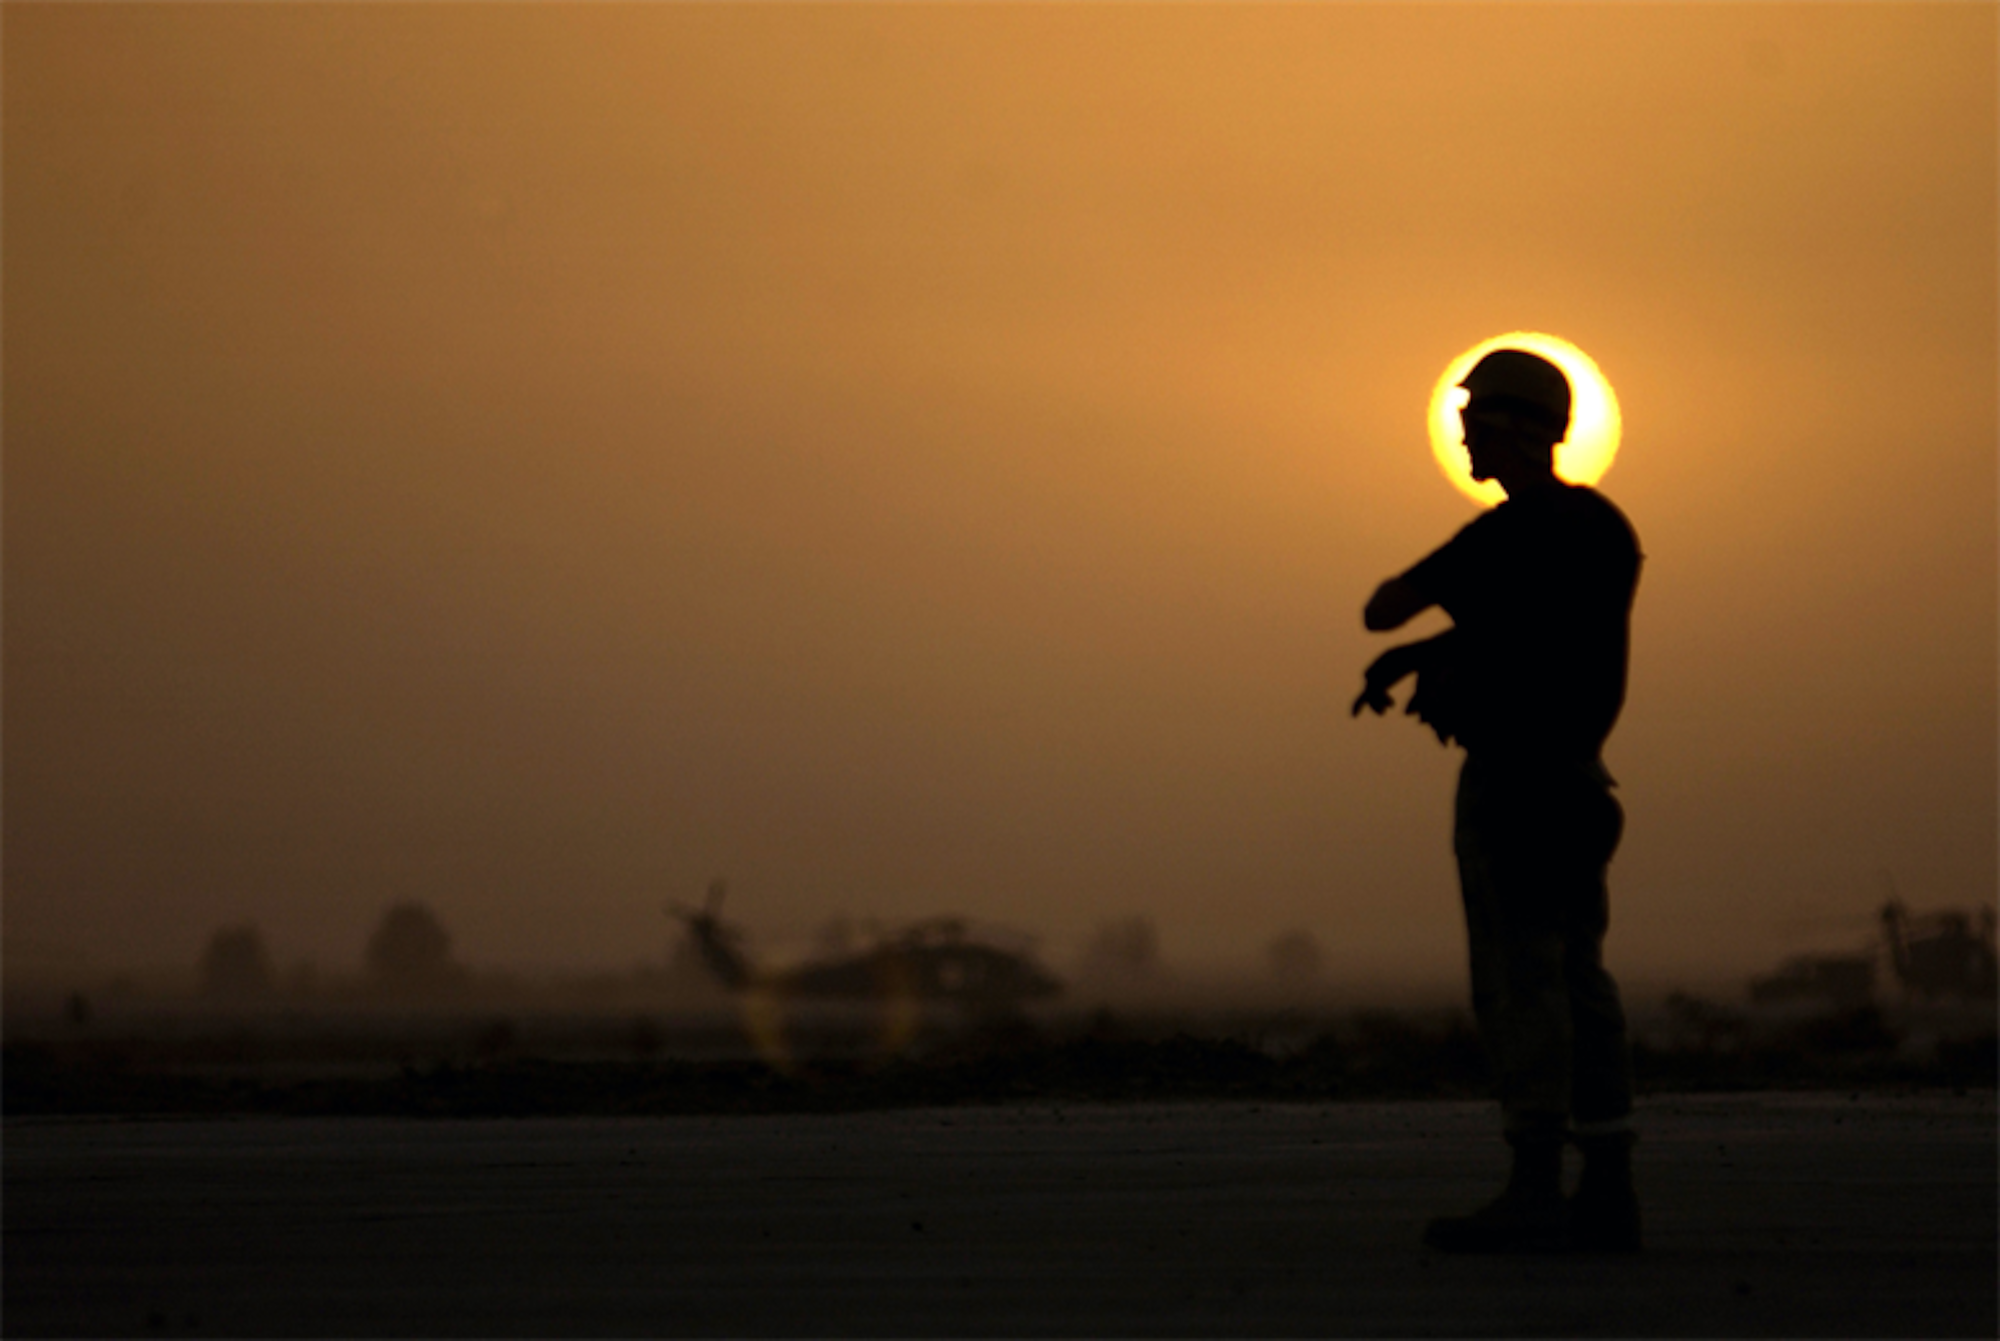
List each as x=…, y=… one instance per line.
x=1595, y=510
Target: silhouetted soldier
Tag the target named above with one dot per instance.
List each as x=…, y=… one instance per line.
x=1529, y=680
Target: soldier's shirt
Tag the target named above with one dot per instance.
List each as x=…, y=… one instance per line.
x=1540, y=591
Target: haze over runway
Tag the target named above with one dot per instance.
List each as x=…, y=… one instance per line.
x=909, y=459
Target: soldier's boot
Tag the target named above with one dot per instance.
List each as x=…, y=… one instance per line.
x=1529, y=1215
x=1604, y=1213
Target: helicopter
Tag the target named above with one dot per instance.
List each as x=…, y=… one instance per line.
x=1845, y=982
x=1941, y=954
x=940, y=959
x=1936, y=956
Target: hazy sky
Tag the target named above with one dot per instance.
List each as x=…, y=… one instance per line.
x=923, y=458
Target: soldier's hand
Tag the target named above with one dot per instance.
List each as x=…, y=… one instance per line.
x=1374, y=696
x=1382, y=675
x=1434, y=701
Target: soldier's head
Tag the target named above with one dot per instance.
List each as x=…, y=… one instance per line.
x=1516, y=411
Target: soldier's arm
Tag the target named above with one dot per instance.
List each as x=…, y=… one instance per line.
x=1387, y=670
x=1394, y=604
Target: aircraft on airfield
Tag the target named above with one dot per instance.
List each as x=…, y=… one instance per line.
x=941, y=959
x=1941, y=956
x=1946, y=954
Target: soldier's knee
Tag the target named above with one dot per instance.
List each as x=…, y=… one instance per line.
x=1535, y=964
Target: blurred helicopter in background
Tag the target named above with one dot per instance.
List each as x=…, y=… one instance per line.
x=1943, y=956
x=941, y=960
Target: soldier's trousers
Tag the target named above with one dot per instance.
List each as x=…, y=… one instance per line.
x=1533, y=846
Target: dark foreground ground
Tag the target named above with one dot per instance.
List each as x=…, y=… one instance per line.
x=1796, y=1214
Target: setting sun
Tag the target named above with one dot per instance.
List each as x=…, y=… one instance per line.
x=1582, y=457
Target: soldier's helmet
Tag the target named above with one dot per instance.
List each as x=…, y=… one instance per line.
x=1525, y=384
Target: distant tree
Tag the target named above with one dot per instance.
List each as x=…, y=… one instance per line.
x=1128, y=948
x=236, y=965
x=410, y=951
x=1295, y=956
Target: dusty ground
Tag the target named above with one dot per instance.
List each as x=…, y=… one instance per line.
x=1795, y=1214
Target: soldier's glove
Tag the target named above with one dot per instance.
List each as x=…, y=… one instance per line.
x=1437, y=699
x=1380, y=677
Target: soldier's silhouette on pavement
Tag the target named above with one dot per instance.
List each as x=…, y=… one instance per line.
x=1529, y=680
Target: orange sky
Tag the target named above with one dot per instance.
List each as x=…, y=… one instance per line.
x=931, y=458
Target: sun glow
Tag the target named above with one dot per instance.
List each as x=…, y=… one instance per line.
x=1594, y=423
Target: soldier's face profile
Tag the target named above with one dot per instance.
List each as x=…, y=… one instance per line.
x=1494, y=438
x=1487, y=434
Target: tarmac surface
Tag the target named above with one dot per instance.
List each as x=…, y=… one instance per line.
x=1767, y=1215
